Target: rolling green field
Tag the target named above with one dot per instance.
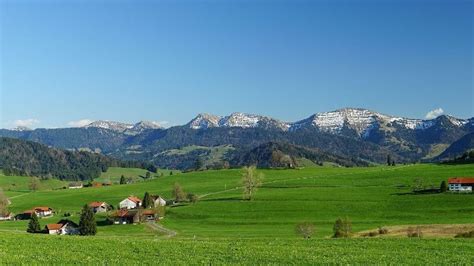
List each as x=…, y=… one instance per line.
x=113, y=174
x=261, y=229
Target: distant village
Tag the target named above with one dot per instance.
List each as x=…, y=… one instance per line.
x=131, y=210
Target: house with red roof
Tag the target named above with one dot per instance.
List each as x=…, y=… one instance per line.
x=7, y=216
x=131, y=202
x=100, y=206
x=461, y=184
x=63, y=227
x=41, y=212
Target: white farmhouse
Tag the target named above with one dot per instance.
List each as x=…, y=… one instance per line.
x=131, y=202
x=63, y=227
x=461, y=184
x=158, y=200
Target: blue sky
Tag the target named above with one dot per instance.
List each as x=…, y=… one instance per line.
x=65, y=61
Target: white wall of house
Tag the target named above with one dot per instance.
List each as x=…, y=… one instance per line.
x=127, y=204
x=160, y=202
x=459, y=188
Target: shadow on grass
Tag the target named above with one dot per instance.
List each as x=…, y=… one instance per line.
x=419, y=192
x=224, y=199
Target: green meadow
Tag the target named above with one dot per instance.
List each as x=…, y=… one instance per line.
x=263, y=230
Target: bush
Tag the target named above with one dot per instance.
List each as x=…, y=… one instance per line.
x=383, y=230
x=469, y=234
x=342, y=228
x=306, y=230
x=414, y=232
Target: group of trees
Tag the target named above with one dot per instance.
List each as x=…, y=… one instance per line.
x=180, y=195
x=390, y=161
x=342, y=229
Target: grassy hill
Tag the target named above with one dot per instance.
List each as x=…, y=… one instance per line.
x=113, y=174
x=20, y=183
x=370, y=197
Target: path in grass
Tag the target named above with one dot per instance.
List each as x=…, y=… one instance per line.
x=158, y=227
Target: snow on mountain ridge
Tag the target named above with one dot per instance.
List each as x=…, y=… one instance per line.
x=242, y=120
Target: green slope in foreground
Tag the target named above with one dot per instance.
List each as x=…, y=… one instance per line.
x=57, y=250
x=264, y=228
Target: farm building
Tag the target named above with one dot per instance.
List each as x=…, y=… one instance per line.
x=133, y=216
x=158, y=200
x=100, y=206
x=76, y=185
x=41, y=212
x=125, y=217
x=461, y=184
x=6, y=216
x=63, y=227
x=131, y=202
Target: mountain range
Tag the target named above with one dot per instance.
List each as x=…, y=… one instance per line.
x=351, y=135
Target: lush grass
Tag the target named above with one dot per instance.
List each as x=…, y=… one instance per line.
x=20, y=183
x=230, y=229
x=113, y=174
x=43, y=249
x=370, y=197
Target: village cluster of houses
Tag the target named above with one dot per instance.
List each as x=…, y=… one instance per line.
x=129, y=212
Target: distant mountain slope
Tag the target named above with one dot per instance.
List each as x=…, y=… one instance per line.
x=348, y=132
x=19, y=157
x=459, y=147
x=274, y=154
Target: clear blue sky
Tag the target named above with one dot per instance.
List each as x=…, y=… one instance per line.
x=64, y=61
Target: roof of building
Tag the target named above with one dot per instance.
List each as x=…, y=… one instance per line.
x=54, y=226
x=461, y=180
x=134, y=199
x=124, y=213
x=8, y=214
x=44, y=209
x=149, y=212
x=96, y=204
x=67, y=222
x=155, y=197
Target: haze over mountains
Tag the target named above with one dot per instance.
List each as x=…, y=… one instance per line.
x=349, y=134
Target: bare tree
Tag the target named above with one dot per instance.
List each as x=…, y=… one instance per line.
x=306, y=230
x=4, y=202
x=34, y=184
x=178, y=193
x=251, y=181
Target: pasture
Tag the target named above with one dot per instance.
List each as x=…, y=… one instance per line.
x=370, y=197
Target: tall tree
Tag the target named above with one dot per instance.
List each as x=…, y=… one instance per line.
x=251, y=181
x=147, y=201
x=87, y=224
x=123, y=180
x=34, y=225
x=178, y=192
x=389, y=160
x=443, y=187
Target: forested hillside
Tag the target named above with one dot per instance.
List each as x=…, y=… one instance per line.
x=19, y=157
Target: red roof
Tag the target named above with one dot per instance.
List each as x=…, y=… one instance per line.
x=123, y=213
x=43, y=209
x=134, y=199
x=96, y=204
x=149, y=212
x=461, y=180
x=54, y=226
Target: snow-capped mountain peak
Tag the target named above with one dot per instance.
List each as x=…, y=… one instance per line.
x=112, y=125
x=204, y=121
x=237, y=119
